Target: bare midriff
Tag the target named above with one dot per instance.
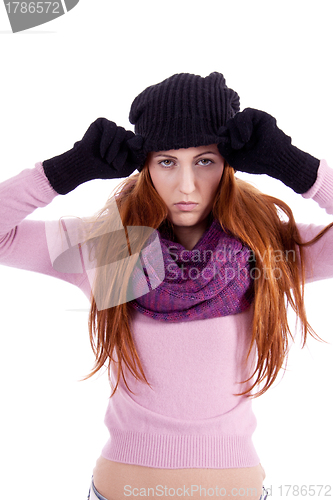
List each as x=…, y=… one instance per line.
x=118, y=481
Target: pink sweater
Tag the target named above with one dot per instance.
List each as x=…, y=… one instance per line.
x=190, y=417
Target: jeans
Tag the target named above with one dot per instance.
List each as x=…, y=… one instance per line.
x=95, y=495
x=264, y=494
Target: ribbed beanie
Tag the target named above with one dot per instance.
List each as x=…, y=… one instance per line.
x=183, y=111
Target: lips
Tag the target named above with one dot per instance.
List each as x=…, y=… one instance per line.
x=186, y=206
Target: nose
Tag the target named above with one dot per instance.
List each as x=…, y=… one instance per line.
x=186, y=180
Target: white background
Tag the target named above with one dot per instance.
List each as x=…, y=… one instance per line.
x=58, y=78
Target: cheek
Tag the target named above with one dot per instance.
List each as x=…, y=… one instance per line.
x=160, y=183
x=211, y=186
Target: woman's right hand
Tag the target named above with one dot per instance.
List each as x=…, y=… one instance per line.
x=106, y=151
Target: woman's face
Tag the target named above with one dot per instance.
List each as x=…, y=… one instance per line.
x=187, y=180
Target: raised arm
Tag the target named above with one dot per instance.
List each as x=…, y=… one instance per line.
x=23, y=243
x=105, y=152
x=251, y=142
x=319, y=256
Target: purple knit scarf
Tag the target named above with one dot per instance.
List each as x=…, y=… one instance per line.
x=211, y=280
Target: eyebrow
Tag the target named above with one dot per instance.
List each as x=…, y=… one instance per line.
x=175, y=158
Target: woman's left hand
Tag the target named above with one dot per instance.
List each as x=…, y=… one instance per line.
x=252, y=142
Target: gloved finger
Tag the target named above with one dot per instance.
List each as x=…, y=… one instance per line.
x=260, y=120
x=129, y=135
x=119, y=160
x=237, y=137
x=241, y=128
x=122, y=163
x=136, y=154
x=246, y=125
x=224, y=146
x=108, y=131
x=93, y=131
x=128, y=169
x=135, y=143
x=114, y=147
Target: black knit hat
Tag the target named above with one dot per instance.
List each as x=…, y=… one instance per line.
x=183, y=111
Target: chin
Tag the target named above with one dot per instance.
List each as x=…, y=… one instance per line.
x=186, y=220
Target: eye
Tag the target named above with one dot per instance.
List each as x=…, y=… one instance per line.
x=166, y=163
x=205, y=162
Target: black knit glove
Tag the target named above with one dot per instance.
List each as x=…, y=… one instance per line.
x=251, y=142
x=106, y=151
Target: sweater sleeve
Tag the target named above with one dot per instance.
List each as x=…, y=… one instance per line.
x=27, y=244
x=319, y=256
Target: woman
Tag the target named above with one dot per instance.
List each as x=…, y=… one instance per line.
x=189, y=271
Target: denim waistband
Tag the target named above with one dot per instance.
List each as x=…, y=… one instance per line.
x=264, y=494
x=94, y=494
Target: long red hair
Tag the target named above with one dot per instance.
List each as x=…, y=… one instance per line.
x=253, y=218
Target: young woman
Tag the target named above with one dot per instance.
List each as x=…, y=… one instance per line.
x=189, y=271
